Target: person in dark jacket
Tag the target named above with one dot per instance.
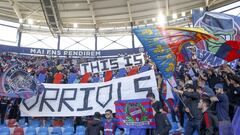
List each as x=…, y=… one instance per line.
x=94, y=127
x=14, y=112
x=207, y=123
x=3, y=108
x=163, y=125
x=222, y=106
x=222, y=109
x=191, y=108
x=233, y=94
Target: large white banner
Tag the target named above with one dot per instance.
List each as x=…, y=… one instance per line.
x=85, y=99
x=112, y=64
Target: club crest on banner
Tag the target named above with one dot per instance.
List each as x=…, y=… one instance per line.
x=18, y=83
x=135, y=113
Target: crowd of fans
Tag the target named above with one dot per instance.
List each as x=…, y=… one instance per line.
x=205, y=99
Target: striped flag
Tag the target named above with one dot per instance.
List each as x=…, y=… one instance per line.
x=135, y=113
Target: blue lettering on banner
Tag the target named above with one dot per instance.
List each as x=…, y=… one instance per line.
x=209, y=58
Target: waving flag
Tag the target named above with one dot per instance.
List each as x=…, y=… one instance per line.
x=229, y=51
x=158, y=50
x=135, y=113
x=17, y=83
x=223, y=26
x=165, y=44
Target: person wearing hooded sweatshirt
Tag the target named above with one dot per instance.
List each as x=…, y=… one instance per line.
x=94, y=126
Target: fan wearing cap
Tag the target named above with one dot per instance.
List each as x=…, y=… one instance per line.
x=222, y=109
x=222, y=106
x=191, y=99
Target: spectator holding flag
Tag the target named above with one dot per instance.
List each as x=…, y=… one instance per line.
x=191, y=107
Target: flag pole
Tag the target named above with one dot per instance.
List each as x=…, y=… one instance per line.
x=180, y=99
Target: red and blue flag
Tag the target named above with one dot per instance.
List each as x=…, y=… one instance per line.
x=135, y=113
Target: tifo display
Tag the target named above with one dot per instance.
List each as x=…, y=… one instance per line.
x=185, y=81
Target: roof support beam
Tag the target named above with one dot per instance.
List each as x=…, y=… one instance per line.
x=32, y=12
x=52, y=16
x=206, y=2
x=92, y=11
x=16, y=8
x=167, y=7
x=129, y=11
x=25, y=7
x=210, y=3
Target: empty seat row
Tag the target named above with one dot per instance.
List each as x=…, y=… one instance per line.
x=43, y=131
x=37, y=123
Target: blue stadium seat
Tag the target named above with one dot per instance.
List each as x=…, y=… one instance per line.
x=3, y=125
x=21, y=123
x=118, y=132
x=126, y=131
x=43, y=131
x=35, y=123
x=4, y=131
x=48, y=123
x=56, y=131
x=80, y=130
x=68, y=131
x=68, y=122
x=31, y=131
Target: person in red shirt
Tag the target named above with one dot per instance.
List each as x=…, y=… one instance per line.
x=58, y=77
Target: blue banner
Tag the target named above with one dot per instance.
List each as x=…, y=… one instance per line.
x=157, y=49
x=223, y=26
x=76, y=53
x=208, y=58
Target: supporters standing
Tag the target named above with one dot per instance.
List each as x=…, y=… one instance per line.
x=14, y=112
x=58, y=77
x=208, y=120
x=222, y=109
x=94, y=126
x=194, y=115
x=233, y=94
x=222, y=106
x=3, y=108
x=163, y=125
x=110, y=124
